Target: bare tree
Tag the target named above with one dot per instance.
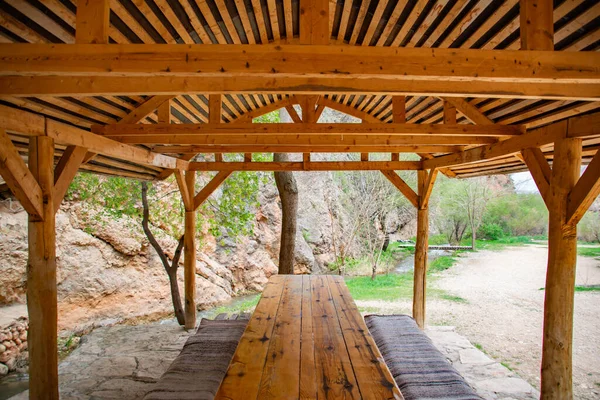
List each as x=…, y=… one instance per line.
x=170, y=268
x=477, y=194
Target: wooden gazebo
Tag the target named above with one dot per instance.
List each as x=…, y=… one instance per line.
x=137, y=88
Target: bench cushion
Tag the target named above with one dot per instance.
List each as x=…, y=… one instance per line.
x=201, y=366
x=419, y=368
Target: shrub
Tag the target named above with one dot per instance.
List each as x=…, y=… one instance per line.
x=491, y=231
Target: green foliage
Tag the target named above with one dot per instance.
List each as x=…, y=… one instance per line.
x=437, y=240
x=231, y=214
x=270, y=118
x=517, y=214
x=589, y=227
x=441, y=263
x=491, y=231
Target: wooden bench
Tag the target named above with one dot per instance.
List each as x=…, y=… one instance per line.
x=200, y=367
x=419, y=368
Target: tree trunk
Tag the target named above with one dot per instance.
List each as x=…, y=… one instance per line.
x=473, y=236
x=288, y=192
x=170, y=268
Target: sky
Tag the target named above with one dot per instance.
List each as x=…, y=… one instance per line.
x=524, y=182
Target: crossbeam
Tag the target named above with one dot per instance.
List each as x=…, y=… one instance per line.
x=41, y=69
x=305, y=166
x=308, y=128
x=575, y=127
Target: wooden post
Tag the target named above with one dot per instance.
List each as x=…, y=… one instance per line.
x=537, y=25
x=557, y=350
x=420, y=272
x=190, y=256
x=41, y=278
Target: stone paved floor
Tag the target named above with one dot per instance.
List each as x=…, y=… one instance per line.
x=489, y=378
x=123, y=362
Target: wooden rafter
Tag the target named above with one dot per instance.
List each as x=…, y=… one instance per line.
x=145, y=109
x=540, y=170
x=19, y=178
x=469, y=110
x=210, y=187
x=576, y=127
x=402, y=186
x=131, y=130
x=302, y=166
x=65, y=171
x=195, y=149
x=584, y=193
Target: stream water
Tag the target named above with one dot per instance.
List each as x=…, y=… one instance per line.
x=407, y=264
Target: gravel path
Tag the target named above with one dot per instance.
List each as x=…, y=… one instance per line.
x=504, y=311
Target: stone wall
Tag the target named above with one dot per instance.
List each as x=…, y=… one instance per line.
x=13, y=345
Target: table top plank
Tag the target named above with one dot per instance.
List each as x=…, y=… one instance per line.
x=335, y=375
x=243, y=377
x=374, y=378
x=281, y=375
x=306, y=339
x=308, y=378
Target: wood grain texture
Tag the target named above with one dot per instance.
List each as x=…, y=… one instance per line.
x=307, y=340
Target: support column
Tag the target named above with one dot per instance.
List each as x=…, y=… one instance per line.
x=421, y=247
x=557, y=351
x=41, y=278
x=190, y=256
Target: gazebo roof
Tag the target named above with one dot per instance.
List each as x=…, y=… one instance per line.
x=436, y=24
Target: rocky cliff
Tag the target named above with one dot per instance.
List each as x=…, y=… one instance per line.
x=107, y=272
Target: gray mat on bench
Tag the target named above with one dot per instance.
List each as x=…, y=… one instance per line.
x=200, y=367
x=418, y=367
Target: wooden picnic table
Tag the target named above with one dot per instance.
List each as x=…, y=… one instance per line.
x=306, y=339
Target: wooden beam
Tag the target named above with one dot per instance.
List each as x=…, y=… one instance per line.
x=276, y=105
x=210, y=187
x=180, y=69
x=449, y=113
x=421, y=247
x=164, y=112
x=195, y=149
x=402, y=186
x=293, y=114
x=189, y=260
x=92, y=22
x=70, y=135
x=584, y=193
x=42, y=305
x=186, y=195
x=427, y=188
x=305, y=140
x=314, y=22
x=343, y=108
x=305, y=128
x=540, y=171
x=22, y=122
x=19, y=179
x=144, y=109
x=300, y=166
x=65, y=171
x=215, y=108
x=534, y=138
x=537, y=24
x=557, y=347
x=399, y=109
x=308, y=104
x=576, y=127
x=468, y=110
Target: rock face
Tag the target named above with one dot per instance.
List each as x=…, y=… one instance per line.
x=107, y=272
x=13, y=345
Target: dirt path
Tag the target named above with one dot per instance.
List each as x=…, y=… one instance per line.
x=504, y=311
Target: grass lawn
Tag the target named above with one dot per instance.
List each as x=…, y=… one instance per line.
x=245, y=304
x=589, y=251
